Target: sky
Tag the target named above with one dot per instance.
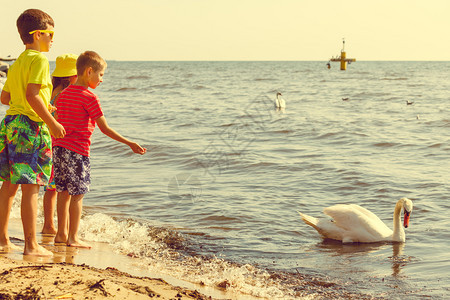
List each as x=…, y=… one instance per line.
x=210, y=30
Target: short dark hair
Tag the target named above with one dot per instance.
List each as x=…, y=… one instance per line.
x=30, y=20
x=63, y=81
x=89, y=59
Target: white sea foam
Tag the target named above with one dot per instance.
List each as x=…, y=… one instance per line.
x=156, y=249
x=152, y=249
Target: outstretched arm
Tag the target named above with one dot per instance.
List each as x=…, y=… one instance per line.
x=104, y=127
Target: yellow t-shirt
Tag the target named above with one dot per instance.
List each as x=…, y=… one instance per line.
x=30, y=67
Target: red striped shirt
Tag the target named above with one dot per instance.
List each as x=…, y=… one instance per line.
x=77, y=110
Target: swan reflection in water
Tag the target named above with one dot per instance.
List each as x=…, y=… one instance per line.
x=398, y=259
x=357, y=257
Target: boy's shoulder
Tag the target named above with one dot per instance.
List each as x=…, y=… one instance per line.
x=32, y=55
x=29, y=59
x=77, y=90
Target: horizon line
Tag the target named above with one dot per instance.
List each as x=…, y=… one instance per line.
x=326, y=60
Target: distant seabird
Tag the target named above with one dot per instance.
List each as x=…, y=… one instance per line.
x=409, y=102
x=279, y=102
x=344, y=99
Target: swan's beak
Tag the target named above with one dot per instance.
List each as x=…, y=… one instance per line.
x=406, y=218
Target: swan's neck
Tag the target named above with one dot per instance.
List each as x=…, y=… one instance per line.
x=398, y=234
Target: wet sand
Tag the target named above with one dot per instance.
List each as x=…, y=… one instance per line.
x=76, y=273
x=96, y=273
x=33, y=280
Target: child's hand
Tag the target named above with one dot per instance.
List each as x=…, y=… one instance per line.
x=58, y=131
x=137, y=148
x=51, y=108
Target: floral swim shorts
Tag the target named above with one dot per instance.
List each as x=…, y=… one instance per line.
x=72, y=171
x=25, y=151
x=51, y=184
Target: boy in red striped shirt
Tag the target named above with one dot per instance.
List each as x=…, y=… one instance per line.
x=78, y=110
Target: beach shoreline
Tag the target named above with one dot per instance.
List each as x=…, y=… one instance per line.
x=29, y=280
x=73, y=271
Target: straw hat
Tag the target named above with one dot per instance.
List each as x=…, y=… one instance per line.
x=66, y=65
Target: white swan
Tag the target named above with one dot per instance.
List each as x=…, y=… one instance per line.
x=279, y=102
x=352, y=223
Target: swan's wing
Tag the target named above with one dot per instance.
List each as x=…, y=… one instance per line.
x=365, y=212
x=359, y=223
x=343, y=215
x=326, y=228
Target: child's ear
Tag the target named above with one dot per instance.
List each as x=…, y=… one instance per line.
x=36, y=35
x=89, y=71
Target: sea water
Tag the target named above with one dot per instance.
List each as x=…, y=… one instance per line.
x=215, y=199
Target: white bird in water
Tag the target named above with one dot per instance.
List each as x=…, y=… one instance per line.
x=352, y=223
x=279, y=102
x=409, y=102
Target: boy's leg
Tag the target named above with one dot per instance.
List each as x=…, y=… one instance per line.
x=62, y=209
x=76, y=207
x=49, y=212
x=7, y=193
x=29, y=217
x=72, y=177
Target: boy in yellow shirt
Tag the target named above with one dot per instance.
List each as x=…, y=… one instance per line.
x=25, y=143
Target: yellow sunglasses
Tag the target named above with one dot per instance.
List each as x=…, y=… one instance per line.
x=52, y=33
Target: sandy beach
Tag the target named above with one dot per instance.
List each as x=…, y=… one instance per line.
x=81, y=274
x=32, y=280
x=100, y=272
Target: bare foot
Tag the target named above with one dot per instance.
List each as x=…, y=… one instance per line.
x=38, y=251
x=60, y=239
x=78, y=244
x=48, y=231
x=10, y=247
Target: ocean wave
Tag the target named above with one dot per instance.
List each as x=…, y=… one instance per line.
x=328, y=135
x=159, y=250
x=126, y=89
x=385, y=145
x=395, y=78
x=284, y=131
x=165, y=86
x=167, y=251
x=185, y=125
x=220, y=219
x=264, y=79
x=138, y=77
x=437, y=145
